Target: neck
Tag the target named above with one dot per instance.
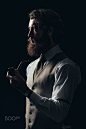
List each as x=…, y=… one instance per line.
x=52, y=42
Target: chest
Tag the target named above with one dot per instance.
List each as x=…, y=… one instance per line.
x=43, y=84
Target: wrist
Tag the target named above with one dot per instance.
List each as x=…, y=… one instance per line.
x=28, y=93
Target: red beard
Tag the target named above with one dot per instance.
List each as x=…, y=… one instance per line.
x=37, y=46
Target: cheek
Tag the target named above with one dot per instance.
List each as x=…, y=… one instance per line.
x=38, y=34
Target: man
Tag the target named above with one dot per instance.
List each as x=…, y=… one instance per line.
x=52, y=78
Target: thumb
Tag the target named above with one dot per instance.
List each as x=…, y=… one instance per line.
x=17, y=72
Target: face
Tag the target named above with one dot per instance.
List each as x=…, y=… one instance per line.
x=38, y=40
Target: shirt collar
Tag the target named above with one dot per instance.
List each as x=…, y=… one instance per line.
x=52, y=52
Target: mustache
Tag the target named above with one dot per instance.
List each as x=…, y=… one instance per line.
x=35, y=42
x=29, y=40
x=38, y=45
x=33, y=48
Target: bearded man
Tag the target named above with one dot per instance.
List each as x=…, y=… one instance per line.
x=52, y=78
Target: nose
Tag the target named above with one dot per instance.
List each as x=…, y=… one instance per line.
x=30, y=34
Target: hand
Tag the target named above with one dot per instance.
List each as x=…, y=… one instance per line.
x=18, y=82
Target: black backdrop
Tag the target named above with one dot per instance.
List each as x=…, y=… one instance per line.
x=13, y=38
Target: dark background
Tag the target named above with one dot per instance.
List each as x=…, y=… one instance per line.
x=13, y=41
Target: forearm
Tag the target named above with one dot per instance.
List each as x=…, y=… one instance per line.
x=54, y=109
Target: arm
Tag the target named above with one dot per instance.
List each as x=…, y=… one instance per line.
x=64, y=87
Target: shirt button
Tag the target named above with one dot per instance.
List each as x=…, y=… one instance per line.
x=31, y=104
x=29, y=120
x=30, y=112
x=33, y=88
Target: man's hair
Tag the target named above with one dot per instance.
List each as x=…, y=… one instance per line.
x=46, y=18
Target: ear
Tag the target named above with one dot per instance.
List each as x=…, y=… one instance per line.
x=50, y=32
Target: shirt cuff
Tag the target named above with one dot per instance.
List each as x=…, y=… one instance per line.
x=28, y=93
x=35, y=98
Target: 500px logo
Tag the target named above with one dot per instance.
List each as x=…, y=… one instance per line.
x=11, y=118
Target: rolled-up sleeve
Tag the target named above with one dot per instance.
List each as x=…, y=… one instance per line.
x=67, y=78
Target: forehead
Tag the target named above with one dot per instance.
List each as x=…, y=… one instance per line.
x=31, y=22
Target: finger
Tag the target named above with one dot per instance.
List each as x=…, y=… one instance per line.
x=13, y=80
x=10, y=81
x=14, y=83
x=7, y=73
x=18, y=74
x=8, y=76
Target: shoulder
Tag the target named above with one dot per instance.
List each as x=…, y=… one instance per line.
x=67, y=62
x=70, y=67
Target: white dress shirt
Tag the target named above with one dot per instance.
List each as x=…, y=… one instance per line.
x=67, y=77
